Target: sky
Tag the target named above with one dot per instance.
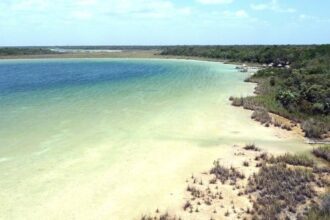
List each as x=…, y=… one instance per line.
x=163, y=22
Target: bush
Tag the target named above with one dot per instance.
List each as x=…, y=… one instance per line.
x=325, y=205
x=187, y=205
x=261, y=115
x=323, y=152
x=313, y=129
x=321, y=212
x=224, y=174
x=251, y=147
x=318, y=108
x=286, y=98
x=272, y=81
x=237, y=101
x=295, y=160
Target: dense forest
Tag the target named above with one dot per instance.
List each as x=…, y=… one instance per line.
x=298, y=55
x=295, y=80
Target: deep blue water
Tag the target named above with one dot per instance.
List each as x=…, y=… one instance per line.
x=29, y=76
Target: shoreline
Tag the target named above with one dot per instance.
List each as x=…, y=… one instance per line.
x=123, y=54
x=275, y=120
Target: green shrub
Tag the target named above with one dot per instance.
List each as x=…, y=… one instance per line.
x=286, y=98
x=272, y=81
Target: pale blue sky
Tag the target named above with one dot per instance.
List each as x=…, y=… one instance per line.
x=163, y=22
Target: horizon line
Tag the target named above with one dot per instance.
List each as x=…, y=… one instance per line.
x=160, y=45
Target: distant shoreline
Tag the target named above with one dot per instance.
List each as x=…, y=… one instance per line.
x=147, y=54
x=122, y=54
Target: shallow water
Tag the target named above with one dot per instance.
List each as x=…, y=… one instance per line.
x=115, y=138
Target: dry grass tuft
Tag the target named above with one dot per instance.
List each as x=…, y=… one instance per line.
x=322, y=152
x=295, y=160
x=224, y=174
x=279, y=190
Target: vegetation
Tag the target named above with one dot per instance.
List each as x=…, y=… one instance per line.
x=322, y=211
x=280, y=190
x=261, y=115
x=292, y=159
x=224, y=174
x=15, y=51
x=297, y=55
x=263, y=156
x=284, y=187
x=165, y=216
x=237, y=101
x=296, y=96
x=295, y=84
x=251, y=147
x=246, y=163
x=314, y=129
x=322, y=152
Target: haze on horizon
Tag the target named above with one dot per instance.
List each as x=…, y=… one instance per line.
x=163, y=22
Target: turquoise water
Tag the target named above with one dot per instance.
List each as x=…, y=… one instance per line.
x=84, y=138
x=77, y=96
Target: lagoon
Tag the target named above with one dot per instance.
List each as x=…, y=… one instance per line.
x=115, y=138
